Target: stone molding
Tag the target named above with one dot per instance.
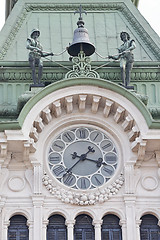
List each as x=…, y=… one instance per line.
x=19, y=74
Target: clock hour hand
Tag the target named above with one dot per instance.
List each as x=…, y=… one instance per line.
x=99, y=161
x=83, y=156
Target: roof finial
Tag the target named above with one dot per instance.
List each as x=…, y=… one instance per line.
x=80, y=22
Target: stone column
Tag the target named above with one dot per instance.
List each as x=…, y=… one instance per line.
x=138, y=223
x=122, y=223
x=130, y=217
x=30, y=226
x=44, y=230
x=70, y=228
x=37, y=213
x=97, y=226
x=5, y=230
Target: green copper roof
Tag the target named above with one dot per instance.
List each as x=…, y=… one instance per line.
x=57, y=22
x=85, y=81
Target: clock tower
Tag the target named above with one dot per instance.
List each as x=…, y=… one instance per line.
x=79, y=150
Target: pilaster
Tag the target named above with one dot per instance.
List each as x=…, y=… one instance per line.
x=131, y=233
x=37, y=176
x=129, y=178
x=37, y=217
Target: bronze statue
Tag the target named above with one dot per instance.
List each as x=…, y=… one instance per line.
x=35, y=54
x=126, y=57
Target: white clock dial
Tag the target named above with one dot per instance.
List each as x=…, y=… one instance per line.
x=83, y=158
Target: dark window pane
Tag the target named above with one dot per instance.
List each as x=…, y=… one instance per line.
x=56, y=229
x=149, y=229
x=18, y=229
x=111, y=230
x=83, y=229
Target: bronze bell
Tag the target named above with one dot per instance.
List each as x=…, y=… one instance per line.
x=81, y=41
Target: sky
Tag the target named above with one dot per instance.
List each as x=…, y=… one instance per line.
x=150, y=9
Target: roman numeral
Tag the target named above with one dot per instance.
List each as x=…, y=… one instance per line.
x=96, y=137
x=82, y=133
x=83, y=183
x=108, y=170
x=59, y=146
x=68, y=137
x=106, y=146
x=69, y=180
x=58, y=170
x=97, y=180
x=54, y=159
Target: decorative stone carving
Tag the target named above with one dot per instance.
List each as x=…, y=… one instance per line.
x=38, y=123
x=86, y=198
x=82, y=102
x=149, y=183
x=96, y=103
x=69, y=104
x=57, y=108
x=16, y=183
x=34, y=134
x=81, y=67
x=134, y=133
x=107, y=108
x=46, y=115
x=128, y=123
x=119, y=114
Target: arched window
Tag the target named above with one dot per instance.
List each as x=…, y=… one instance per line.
x=18, y=228
x=149, y=230
x=83, y=229
x=111, y=229
x=56, y=229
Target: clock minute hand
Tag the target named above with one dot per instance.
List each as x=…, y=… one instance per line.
x=69, y=169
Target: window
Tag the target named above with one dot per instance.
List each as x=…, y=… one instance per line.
x=56, y=229
x=149, y=230
x=83, y=229
x=18, y=230
x=111, y=229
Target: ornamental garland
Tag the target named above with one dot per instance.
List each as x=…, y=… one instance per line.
x=82, y=199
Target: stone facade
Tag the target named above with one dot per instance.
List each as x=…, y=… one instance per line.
x=28, y=186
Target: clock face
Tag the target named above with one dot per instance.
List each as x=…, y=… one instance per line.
x=82, y=158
